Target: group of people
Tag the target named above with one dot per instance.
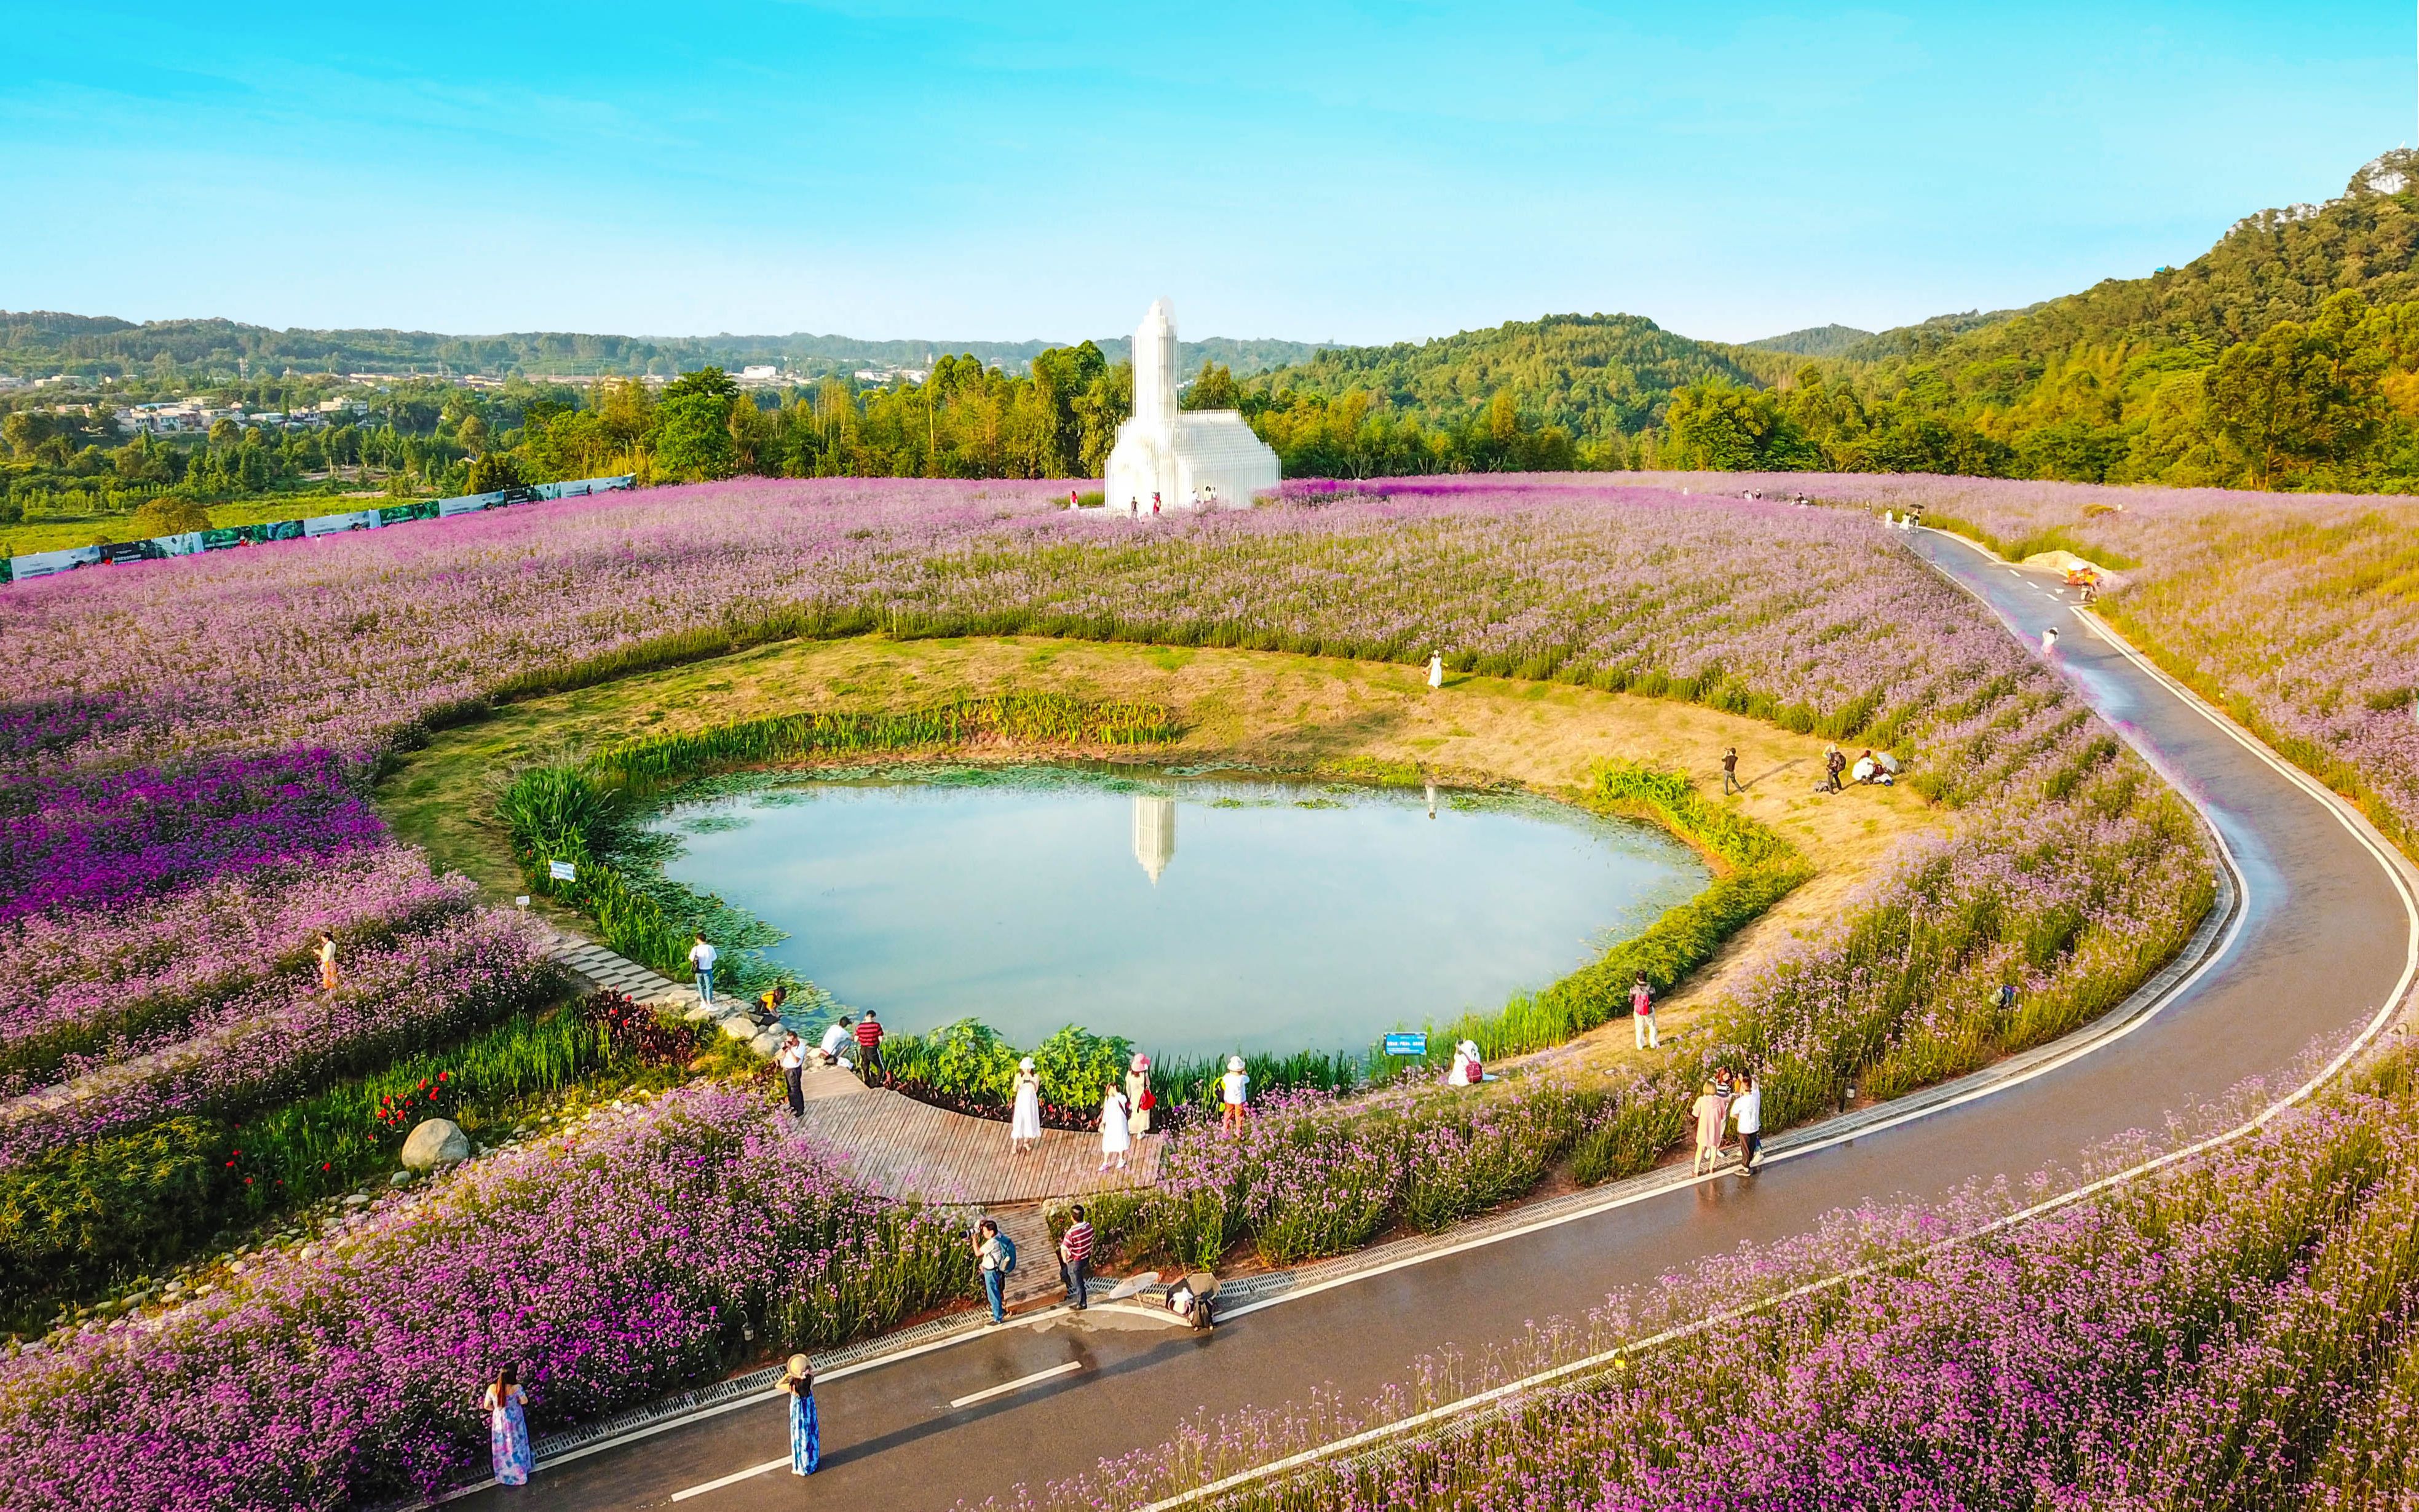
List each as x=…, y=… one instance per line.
x=1729, y=1099
x=1871, y=769
x=852, y=1041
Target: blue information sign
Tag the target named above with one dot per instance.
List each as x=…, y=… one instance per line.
x=1407, y=1044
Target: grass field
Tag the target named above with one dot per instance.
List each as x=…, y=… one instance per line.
x=59, y=533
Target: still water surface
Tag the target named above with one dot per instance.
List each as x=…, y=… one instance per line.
x=1194, y=915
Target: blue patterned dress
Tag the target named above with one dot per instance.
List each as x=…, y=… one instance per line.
x=508, y=1439
x=805, y=1433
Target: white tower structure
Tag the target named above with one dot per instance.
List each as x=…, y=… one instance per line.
x=1154, y=837
x=1204, y=457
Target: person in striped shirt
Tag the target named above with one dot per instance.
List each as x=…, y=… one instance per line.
x=869, y=1047
x=1075, y=1257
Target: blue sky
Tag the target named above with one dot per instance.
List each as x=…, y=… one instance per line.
x=1314, y=171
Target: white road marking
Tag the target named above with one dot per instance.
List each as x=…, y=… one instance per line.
x=734, y=1480
x=1018, y=1384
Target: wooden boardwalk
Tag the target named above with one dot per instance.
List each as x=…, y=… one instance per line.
x=901, y=1148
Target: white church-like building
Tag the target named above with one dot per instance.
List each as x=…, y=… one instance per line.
x=1205, y=458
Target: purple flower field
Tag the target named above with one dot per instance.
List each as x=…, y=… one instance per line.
x=185, y=749
x=2235, y=1331
x=2299, y=613
x=613, y=1267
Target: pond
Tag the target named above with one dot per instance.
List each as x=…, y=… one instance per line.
x=1191, y=914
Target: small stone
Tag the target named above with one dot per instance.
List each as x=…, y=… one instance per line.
x=437, y=1142
x=698, y=1014
x=310, y=1252
x=399, y=1179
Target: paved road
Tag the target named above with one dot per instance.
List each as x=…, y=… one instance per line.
x=2323, y=940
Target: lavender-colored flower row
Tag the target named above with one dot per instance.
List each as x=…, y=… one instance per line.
x=116, y=978
x=1808, y=615
x=610, y=1270
x=282, y=1037
x=77, y=841
x=2235, y=1333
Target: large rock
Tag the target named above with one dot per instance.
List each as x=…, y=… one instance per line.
x=437, y=1142
x=740, y=1026
x=767, y=1044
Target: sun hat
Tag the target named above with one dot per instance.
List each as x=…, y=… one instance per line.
x=798, y=1366
x=1141, y=1062
x=1234, y=1063
x=1026, y=1064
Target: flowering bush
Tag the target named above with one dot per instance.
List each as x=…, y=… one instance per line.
x=610, y=1268
x=637, y=1032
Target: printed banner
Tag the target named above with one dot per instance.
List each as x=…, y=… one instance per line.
x=359, y=519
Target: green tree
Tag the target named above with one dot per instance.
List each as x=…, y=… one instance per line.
x=169, y=515
x=1213, y=388
x=693, y=436
x=493, y=472
x=2298, y=395
x=1734, y=429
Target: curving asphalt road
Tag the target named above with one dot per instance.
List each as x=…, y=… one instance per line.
x=2321, y=940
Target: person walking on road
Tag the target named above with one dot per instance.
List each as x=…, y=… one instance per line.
x=1075, y=1257
x=869, y=1047
x=1642, y=1013
x=701, y=957
x=806, y=1428
x=1117, y=1140
x=2049, y=640
x=1747, y=1111
x=1730, y=772
x=1712, y=1110
x=1234, y=1090
x=1025, y=1129
x=327, y=962
x=994, y=1258
x=792, y=1061
x=508, y=1440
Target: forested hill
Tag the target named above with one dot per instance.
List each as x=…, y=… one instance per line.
x=39, y=342
x=1592, y=379
x=1815, y=341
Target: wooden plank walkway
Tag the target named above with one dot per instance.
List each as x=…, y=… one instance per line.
x=901, y=1148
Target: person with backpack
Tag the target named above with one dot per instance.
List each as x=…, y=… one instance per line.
x=995, y=1257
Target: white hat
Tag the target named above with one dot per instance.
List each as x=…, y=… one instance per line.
x=1234, y=1063
x=1026, y=1064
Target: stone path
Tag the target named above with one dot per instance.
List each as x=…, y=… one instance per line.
x=901, y=1148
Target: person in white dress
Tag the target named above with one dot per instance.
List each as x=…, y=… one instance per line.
x=1025, y=1129
x=1467, y=1070
x=1436, y=669
x=1116, y=1141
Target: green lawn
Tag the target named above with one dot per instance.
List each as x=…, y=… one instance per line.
x=58, y=533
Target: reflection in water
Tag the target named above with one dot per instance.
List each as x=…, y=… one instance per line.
x=1154, y=837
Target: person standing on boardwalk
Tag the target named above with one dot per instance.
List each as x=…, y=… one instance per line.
x=1116, y=1139
x=869, y=1047
x=1641, y=1012
x=1712, y=1111
x=508, y=1440
x=701, y=957
x=1075, y=1257
x=327, y=962
x=1436, y=669
x=806, y=1428
x=792, y=1061
x=1025, y=1128
x=1234, y=1090
x=1747, y=1111
x=1138, y=1099
x=1730, y=772
x=838, y=1036
x=992, y=1259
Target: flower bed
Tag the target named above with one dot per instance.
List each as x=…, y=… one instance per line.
x=72, y=981
x=612, y=1268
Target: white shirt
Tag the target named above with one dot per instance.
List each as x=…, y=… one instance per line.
x=835, y=1037
x=1748, y=1108
x=793, y=1055
x=1237, y=1083
x=700, y=955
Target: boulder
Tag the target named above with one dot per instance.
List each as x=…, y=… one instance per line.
x=437, y=1142
x=767, y=1044
x=740, y=1026
x=698, y=1014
